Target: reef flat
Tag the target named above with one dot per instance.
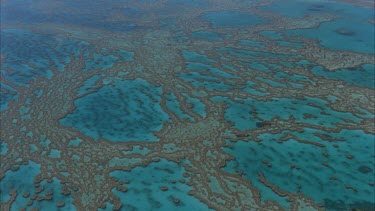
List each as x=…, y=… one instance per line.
x=187, y=105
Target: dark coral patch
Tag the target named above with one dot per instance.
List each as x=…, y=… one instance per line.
x=364, y=169
x=344, y=32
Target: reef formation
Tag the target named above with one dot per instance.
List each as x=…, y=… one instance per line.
x=187, y=105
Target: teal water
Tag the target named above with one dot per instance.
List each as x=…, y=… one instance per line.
x=314, y=178
x=210, y=83
x=232, y=19
x=198, y=106
x=89, y=84
x=363, y=76
x=144, y=188
x=173, y=105
x=22, y=12
x=351, y=31
x=208, y=69
x=22, y=180
x=122, y=111
x=3, y=148
x=34, y=60
x=100, y=61
x=300, y=8
x=196, y=57
x=355, y=35
x=241, y=113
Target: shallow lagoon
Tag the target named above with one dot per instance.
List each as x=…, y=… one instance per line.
x=119, y=111
x=351, y=31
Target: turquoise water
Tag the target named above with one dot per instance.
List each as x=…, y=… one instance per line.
x=350, y=31
x=208, y=82
x=22, y=180
x=121, y=111
x=198, y=106
x=358, y=37
x=314, y=178
x=240, y=113
x=196, y=57
x=232, y=19
x=363, y=76
x=27, y=63
x=300, y=8
x=100, y=61
x=3, y=148
x=22, y=12
x=173, y=105
x=144, y=188
x=208, y=69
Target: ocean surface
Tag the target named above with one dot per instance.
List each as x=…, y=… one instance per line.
x=187, y=105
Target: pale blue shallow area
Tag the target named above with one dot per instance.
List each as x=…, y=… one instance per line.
x=144, y=188
x=358, y=33
x=362, y=76
x=122, y=111
x=313, y=176
x=361, y=41
x=23, y=181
